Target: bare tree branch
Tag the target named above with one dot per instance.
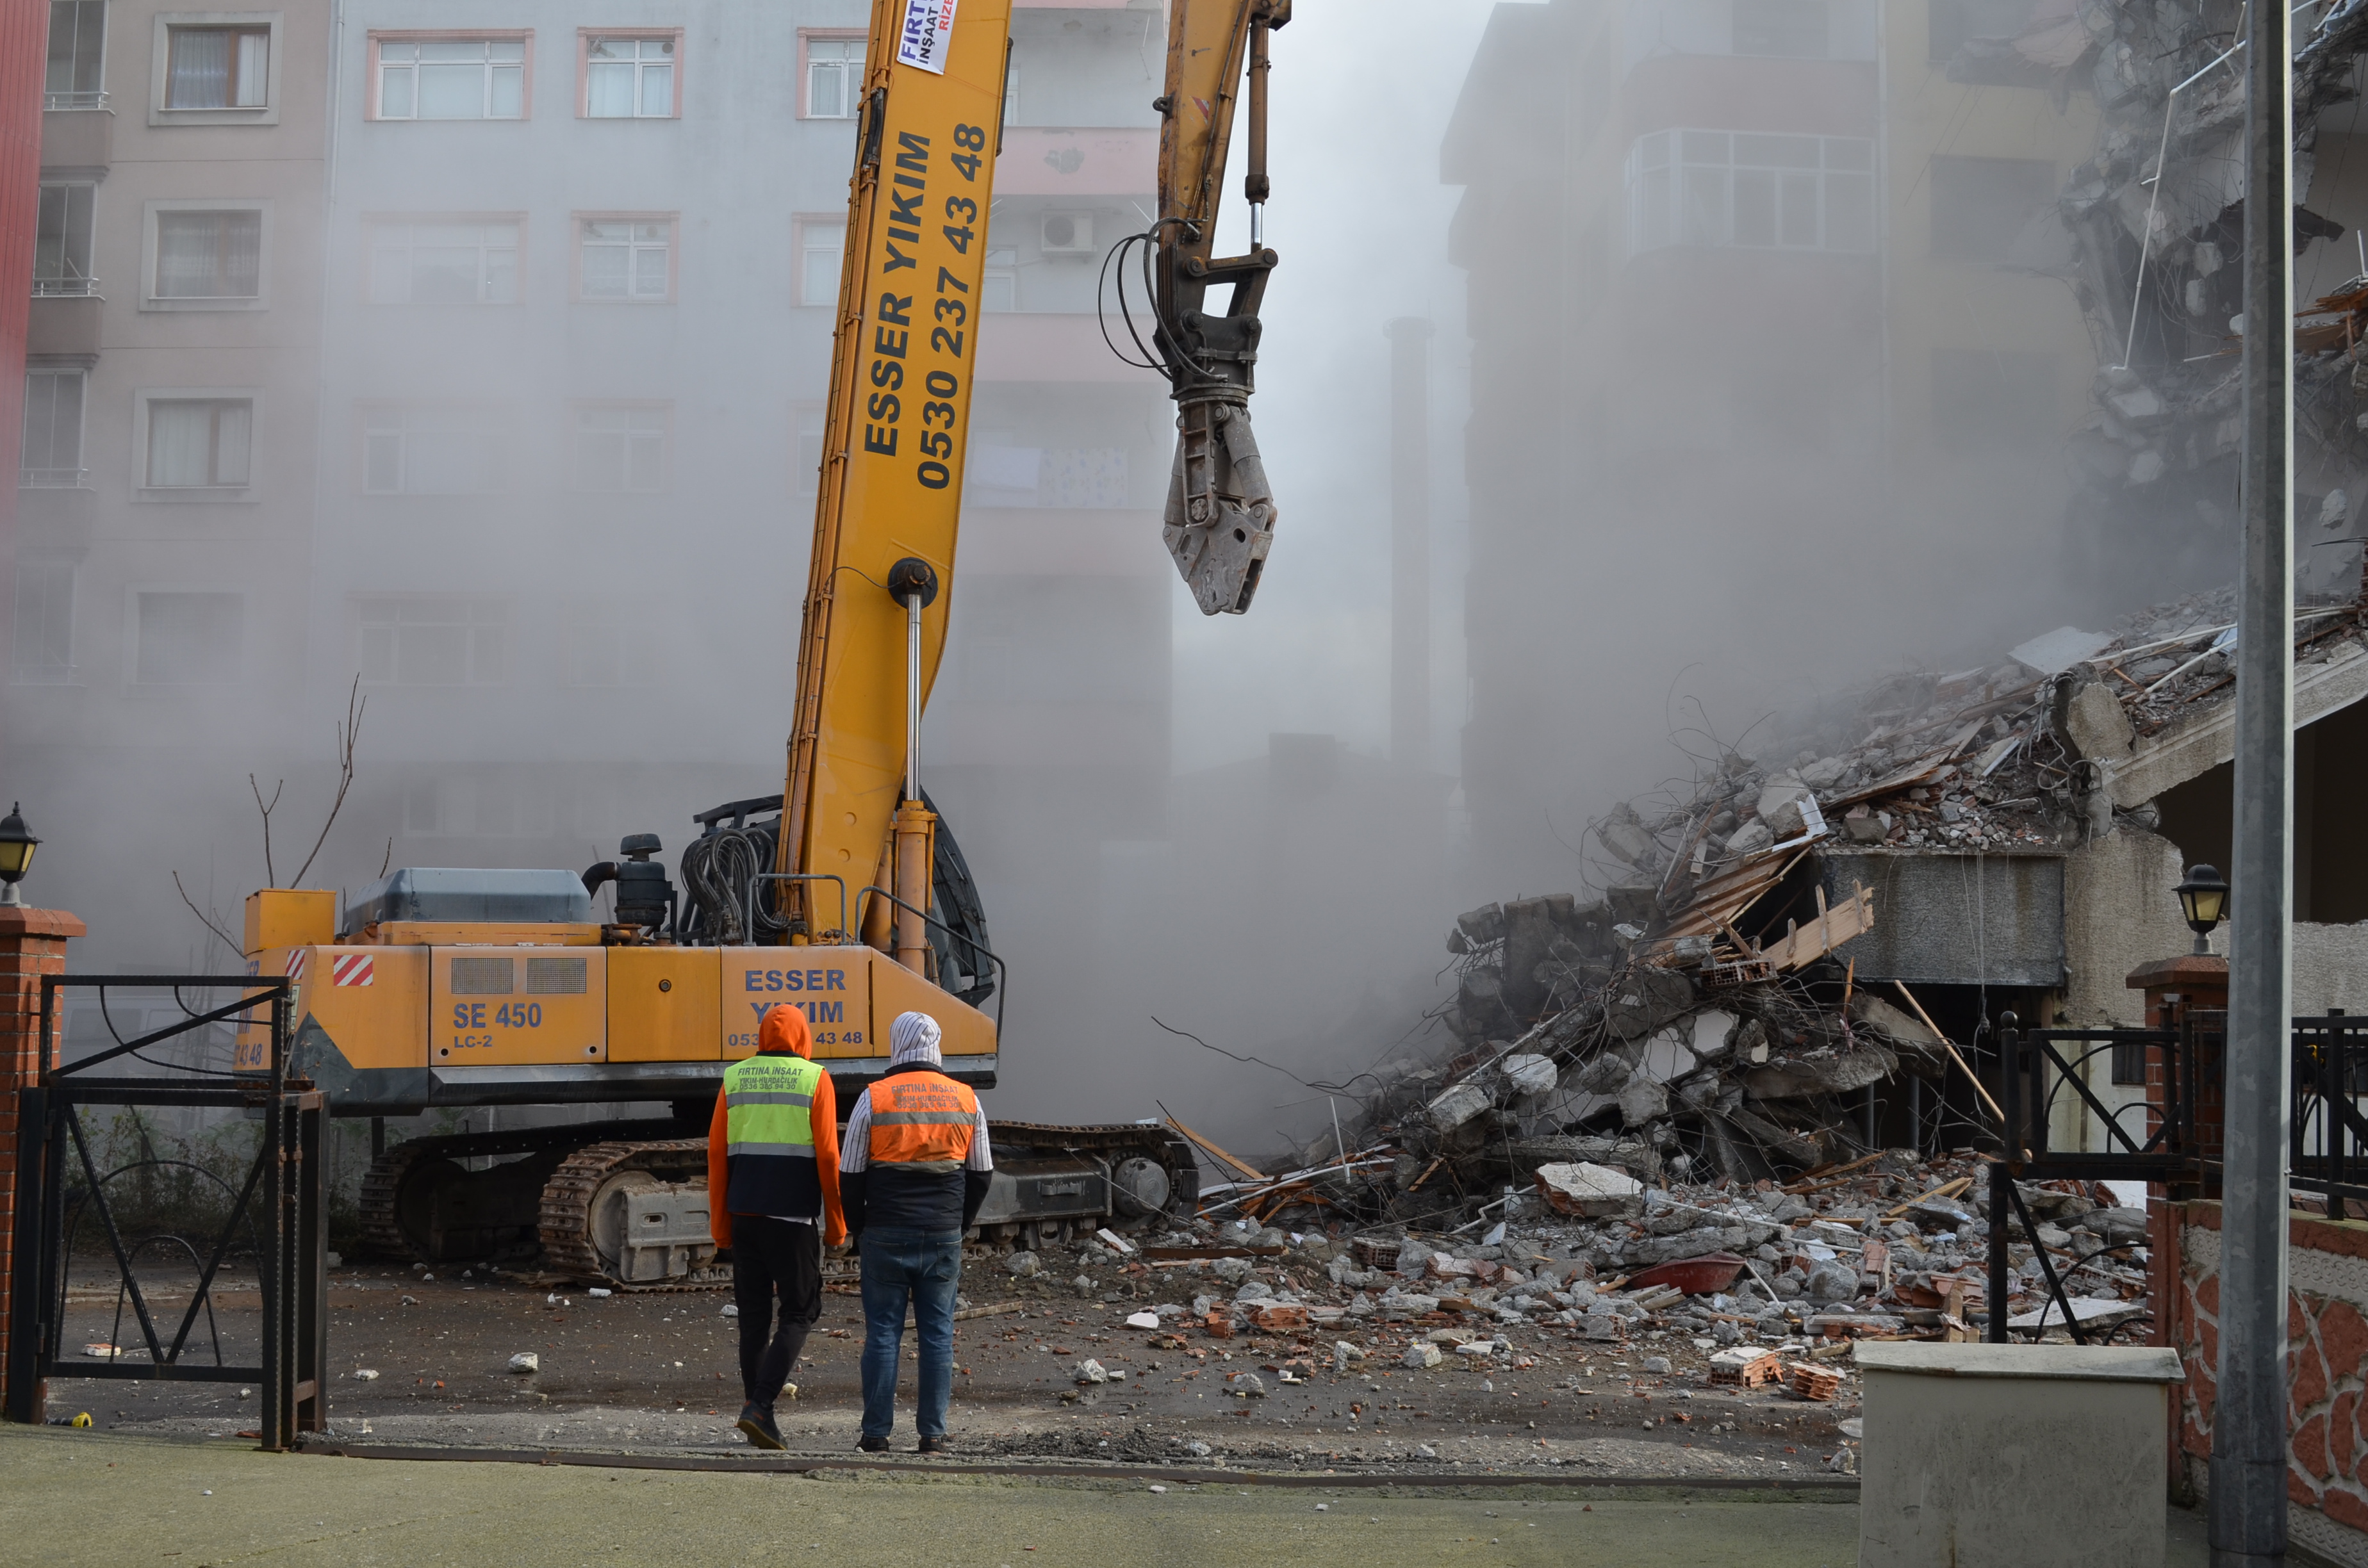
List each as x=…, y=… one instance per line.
x=348, y=733
x=269, y=880
x=210, y=923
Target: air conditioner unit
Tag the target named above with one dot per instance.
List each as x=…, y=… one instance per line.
x=1067, y=233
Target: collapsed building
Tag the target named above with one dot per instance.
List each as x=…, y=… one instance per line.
x=1798, y=957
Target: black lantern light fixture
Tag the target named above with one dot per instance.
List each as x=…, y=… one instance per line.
x=2203, y=899
x=17, y=844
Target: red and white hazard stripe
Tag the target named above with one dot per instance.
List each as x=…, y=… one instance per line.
x=351, y=968
x=296, y=963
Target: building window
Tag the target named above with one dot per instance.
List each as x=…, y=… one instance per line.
x=478, y=78
x=52, y=456
x=602, y=646
x=420, y=641
x=1713, y=187
x=2129, y=1065
x=834, y=78
x=621, y=448
x=218, y=67
x=199, y=443
x=821, y=245
x=213, y=255
x=75, y=76
x=189, y=638
x=625, y=258
x=1994, y=400
x=998, y=290
x=1782, y=29
x=809, y=419
x=1956, y=23
x=444, y=263
x=456, y=451
x=62, y=240
x=40, y=637
x=629, y=78
x=1981, y=205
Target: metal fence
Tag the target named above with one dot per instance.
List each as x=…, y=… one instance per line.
x=280, y=1211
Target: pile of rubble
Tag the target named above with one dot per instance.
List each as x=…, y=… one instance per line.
x=1707, y=1282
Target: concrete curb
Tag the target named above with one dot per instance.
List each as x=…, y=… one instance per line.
x=1834, y=1488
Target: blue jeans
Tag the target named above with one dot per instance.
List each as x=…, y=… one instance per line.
x=924, y=1269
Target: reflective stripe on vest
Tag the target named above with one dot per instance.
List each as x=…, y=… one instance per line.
x=768, y=1105
x=922, y=1118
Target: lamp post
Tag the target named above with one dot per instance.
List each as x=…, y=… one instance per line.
x=2203, y=899
x=16, y=844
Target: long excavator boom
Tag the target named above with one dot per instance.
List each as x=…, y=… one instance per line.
x=903, y=360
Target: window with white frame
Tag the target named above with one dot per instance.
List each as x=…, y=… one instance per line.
x=834, y=78
x=821, y=245
x=41, y=636
x=998, y=288
x=208, y=255
x=1719, y=188
x=217, y=67
x=455, y=262
x=199, y=443
x=451, y=78
x=189, y=639
x=52, y=453
x=625, y=258
x=62, y=238
x=75, y=73
x=629, y=78
x=621, y=448
x=434, y=450
x=423, y=639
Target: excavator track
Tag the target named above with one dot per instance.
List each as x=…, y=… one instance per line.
x=566, y=1221
x=401, y=1220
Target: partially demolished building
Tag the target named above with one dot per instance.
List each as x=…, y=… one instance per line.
x=1804, y=955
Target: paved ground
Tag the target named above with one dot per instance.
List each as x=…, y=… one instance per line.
x=660, y=1371
x=109, y=1500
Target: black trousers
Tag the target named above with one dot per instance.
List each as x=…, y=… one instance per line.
x=773, y=1261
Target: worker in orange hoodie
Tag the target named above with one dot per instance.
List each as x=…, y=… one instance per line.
x=773, y=1156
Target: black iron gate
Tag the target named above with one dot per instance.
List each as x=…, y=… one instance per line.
x=2040, y=1069
x=279, y=1210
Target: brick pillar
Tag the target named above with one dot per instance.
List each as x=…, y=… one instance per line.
x=32, y=944
x=2174, y=987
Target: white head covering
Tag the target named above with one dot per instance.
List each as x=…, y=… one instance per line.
x=914, y=1038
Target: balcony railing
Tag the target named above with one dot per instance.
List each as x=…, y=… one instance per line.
x=53, y=479
x=65, y=288
x=73, y=100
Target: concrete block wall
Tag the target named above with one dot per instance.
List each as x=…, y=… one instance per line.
x=2327, y=1332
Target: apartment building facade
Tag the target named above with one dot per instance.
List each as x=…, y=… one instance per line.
x=164, y=482
x=1758, y=304
x=532, y=361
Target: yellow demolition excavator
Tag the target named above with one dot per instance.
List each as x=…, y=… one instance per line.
x=845, y=895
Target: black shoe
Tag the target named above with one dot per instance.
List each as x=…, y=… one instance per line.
x=758, y=1422
x=932, y=1446
x=874, y=1445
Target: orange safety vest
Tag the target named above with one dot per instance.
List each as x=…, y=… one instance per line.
x=922, y=1120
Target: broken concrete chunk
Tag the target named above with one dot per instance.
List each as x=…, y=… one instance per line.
x=1422, y=1355
x=2096, y=724
x=1643, y=1099
x=1591, y=1191
x=525, y=1361
x=1528, y=1075
x=1624, y=835
x=1023, y=1264
x=1750, y=838
x=1457, y=1105
x=2059, y=650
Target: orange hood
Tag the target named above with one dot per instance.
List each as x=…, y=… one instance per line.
x=785, y=1032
